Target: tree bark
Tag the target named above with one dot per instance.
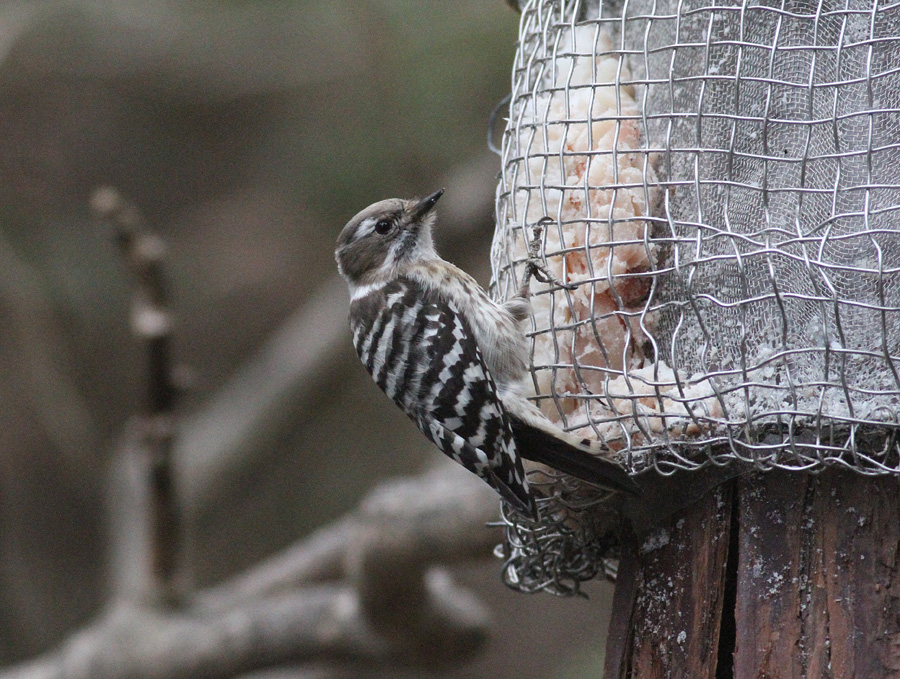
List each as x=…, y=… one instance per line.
x=775, y=575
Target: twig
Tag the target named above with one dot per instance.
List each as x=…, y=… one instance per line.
x=151, y=322
x=535, y=267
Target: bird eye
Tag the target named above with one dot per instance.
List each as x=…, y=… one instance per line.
x=382, y=226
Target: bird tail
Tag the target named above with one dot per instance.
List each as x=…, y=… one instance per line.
x=518, y=496
x=537, y=439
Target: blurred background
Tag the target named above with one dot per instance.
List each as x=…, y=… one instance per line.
x=248, y=133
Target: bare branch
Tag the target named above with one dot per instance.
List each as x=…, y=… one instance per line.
x=151, y=322
x=440, y=509
x=391, y=606
x=317, y=559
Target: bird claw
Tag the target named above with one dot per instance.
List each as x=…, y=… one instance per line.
x=534, y=265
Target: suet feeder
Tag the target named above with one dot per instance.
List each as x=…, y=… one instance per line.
x=722, y=182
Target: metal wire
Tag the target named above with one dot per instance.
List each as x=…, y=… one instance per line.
x=724, y=180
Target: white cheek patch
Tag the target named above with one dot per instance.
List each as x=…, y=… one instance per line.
x=365, y=228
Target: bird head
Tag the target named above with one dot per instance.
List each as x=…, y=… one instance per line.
x=378, y=242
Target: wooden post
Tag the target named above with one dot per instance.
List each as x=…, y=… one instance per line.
x=775, y=575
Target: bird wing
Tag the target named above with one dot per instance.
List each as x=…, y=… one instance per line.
x=512, y=488
x=459, y=408
x=422, y=353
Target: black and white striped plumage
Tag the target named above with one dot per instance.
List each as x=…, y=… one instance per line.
x=450, y=357
x=422, y=354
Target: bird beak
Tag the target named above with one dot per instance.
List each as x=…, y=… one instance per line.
x=424, y=206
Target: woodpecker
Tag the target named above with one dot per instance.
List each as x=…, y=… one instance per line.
x=451, y=358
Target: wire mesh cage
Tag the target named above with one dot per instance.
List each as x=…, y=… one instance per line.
x=721, y=181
